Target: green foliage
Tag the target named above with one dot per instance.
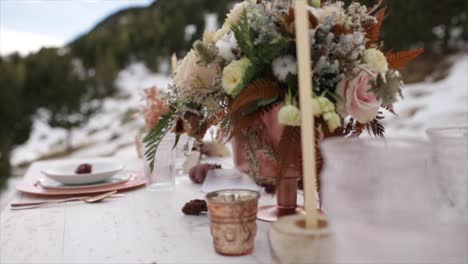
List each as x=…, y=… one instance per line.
x=267, y=52
x=262, y=54
x=245, y=36
x=387, y=87
x=150, y=34
x=155, y=136
x=206, y=54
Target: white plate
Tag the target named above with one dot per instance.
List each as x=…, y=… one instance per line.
x=47, y=183
x=101, y=171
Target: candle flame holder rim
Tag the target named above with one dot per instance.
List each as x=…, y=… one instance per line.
x=211, y=196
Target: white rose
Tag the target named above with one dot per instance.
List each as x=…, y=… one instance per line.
x=236, y=75
x=376, y=59
x=189, y=74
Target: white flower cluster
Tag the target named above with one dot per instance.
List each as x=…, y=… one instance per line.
x=284, y=66
x=357, y=17
x=226, y=45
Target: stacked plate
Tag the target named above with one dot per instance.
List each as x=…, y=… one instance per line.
x=66, y=179
x=98, y=174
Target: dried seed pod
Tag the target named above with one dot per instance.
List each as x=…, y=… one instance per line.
x=198, y=173
x=195, y=207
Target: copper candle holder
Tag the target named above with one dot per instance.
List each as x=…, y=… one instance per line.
x=232, y=215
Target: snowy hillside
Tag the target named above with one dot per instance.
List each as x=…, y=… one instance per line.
x=112, y=132
x=113, y=128
x=429, y=104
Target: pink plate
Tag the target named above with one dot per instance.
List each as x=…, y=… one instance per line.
x=32, y=186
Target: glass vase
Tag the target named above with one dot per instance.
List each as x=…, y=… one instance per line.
x=383, y=201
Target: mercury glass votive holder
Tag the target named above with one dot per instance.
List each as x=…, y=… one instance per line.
x=233, y=220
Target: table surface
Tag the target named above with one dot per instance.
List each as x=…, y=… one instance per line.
x=142, y=227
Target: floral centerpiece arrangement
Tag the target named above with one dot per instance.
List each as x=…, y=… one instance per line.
x=243, y=80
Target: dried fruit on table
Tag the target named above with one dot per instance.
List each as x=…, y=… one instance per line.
x=198, y=173
x=84, y=168
x=195, y=207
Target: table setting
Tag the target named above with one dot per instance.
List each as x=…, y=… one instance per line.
x=253, y=155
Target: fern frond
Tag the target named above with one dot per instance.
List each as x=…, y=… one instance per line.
x=373, y=32
x=242, y=122
x=400, y=59
x=353, y=128
x=245, y=36
x=375, y=128
x=265, y=53
x=319, y=160
x=257, y=90
x=155, y=136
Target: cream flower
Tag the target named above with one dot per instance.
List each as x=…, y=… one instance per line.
x=284, y=66
x=226, y=28
x=289, y=115
x=357, y=101
x=236, y=12
x=192, y=75
x=232, y=19
x=236, y=75
x=209, y=37
x=333, y=121
x=376, y=59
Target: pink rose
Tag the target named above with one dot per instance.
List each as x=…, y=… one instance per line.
x=357, y=101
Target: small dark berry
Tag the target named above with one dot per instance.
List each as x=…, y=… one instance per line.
x=84, y=168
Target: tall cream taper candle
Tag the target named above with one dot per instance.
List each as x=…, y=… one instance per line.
x=307, y=115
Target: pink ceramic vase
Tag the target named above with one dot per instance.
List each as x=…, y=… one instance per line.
x=287, y=189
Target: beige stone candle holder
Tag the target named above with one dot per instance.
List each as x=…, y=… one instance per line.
x=292, y=243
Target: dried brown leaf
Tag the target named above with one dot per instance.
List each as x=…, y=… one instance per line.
x=373, y=32
x=400, y=59
x=257, y=90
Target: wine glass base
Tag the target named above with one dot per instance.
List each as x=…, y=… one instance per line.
x=270, y=213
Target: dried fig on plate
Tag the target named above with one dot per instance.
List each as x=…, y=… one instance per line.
x=84, y=168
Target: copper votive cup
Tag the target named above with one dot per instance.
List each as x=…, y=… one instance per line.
x=233, y=220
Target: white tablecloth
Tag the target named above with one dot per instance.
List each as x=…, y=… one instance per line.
x=142, y=227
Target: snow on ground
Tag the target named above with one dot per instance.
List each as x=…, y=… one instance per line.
x=428, y=104
x=112, y=128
